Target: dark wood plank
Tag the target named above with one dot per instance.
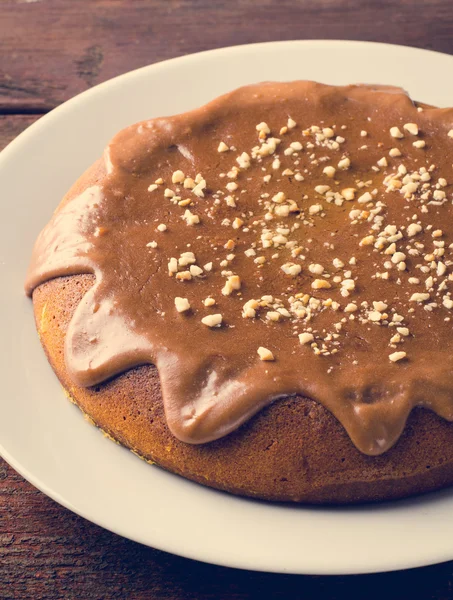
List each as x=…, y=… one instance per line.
x=48, y=552
x=12, y=125
x=53, y=49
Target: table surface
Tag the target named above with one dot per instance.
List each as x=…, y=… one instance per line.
x=51, y=50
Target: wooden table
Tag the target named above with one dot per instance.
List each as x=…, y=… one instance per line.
x=53, y=49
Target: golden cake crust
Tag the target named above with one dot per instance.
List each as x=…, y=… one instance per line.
x=280, y=454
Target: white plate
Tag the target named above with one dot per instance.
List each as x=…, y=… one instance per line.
x=46, y=439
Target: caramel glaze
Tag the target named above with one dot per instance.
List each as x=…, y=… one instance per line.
x=212, y=378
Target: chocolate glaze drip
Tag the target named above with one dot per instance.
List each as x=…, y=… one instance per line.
x=212, y=377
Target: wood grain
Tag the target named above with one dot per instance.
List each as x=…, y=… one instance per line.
x=12, y=125
x=48, y=552
x=53, y=49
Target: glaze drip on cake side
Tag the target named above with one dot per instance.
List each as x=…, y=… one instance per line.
x=285, y=238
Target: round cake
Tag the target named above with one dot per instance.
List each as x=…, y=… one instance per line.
x=256, y=295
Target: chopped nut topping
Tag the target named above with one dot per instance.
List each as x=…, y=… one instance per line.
x=348, y=193
x=413, y=229
x=419, y=297
x=447, y=302
x=348, y=284
x=439, y=195
x=328, y=132
x=365, y=198
x=398, y=257
x=291, y=269
x=329, y=171
x=395, y=132
x=306, y=338
x=182, y=304
x=319, y=284
x=184, y=276
x=411, y=128
x=367, y=241
x=273, y=316
x=195, y=271
x=186, y=258
x=263, y=127
x=230, y=245
x=404, y=331
x=231, y=186
x=315, y=209
x=190, y=218
x=178, y=177
x=222, y=147
x=351, y=307
x=374, y=315
x=344, y=164
x=243, y=160
x=189, y=183
x=172, y=266
x=265, y=354
x=198, y=189
x=233, y=283
x=212, y=320
x=396, y=356
x=322, y=189
x=316, y=269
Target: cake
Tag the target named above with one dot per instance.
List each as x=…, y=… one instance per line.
x=257, y=294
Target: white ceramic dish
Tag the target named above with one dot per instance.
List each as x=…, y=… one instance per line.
x=46, y=439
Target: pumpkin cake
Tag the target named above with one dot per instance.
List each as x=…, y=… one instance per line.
x=257, y=294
